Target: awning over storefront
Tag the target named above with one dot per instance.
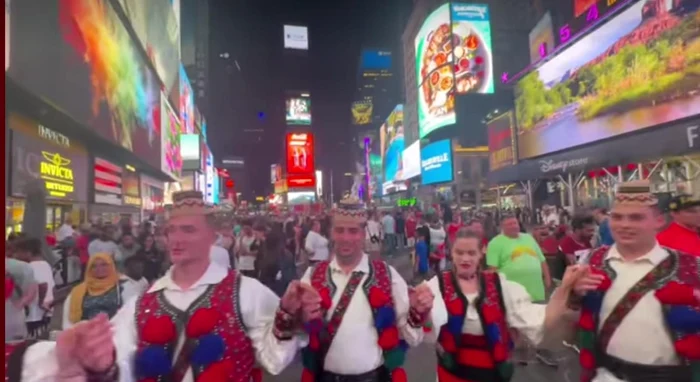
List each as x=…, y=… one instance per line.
x=672, y=140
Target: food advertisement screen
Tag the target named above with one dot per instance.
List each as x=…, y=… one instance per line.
x=391, y=137
x=501, y=141
x=300, y=154
x=541, y=38
x=472, y=49
x=436, y=162
x=637, y=71
x=434, y=74
x=97, y=74
x=298, y=111
x=362, y=112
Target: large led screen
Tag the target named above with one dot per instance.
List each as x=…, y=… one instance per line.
x=391, y=137
x=436, y=162
x=501, y=133
x=158, y=31
x=371, y=147
x=298, y=111
x=638, y=70
x=300, y=154
x=362, y=112
x=186, y=103
x=296, y=37
x=434, y=74
x=171, y=158
x=472, y=51
x=411, y=161
x=78, y=56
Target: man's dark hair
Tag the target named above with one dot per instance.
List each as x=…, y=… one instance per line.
x=580, y=221
x=134, y=259
x=28, y=244
x=507, y=216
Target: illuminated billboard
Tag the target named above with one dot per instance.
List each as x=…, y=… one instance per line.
x=436, y=162
x=453, y=55
x=501, y=133
x=391, y=138
x=300, y=154
x=298, y=111
x=362, y=112
x=191, y=152
x=632, y=73
x=296, y=37
x=411, y=161
x=541, y=38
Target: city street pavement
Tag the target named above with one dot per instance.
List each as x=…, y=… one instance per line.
x=420, y=361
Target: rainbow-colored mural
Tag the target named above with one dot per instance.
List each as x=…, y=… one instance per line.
x=118, y=77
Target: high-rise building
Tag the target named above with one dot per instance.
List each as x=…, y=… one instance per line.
x=377, y=88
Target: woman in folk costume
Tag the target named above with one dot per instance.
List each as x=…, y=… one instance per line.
x=360, y=326
x=200, y=322
x=100, y=292
x=475, y=310
x=640, y=311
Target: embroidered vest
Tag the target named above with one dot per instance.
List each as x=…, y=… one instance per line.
x=377, y=289
x=217, y=347
x=673, y=282
x=465, y=357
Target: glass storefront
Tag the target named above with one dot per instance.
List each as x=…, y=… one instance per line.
x=56, y=214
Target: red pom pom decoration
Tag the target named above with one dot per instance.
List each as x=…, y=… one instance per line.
x=399, y=375
x=689, y=347
x=326, y=300
x=377, y=298
x=389, y=338
x=256, y=375
x=314, y=342
x=675, y=293
x=455, y=307
x=500, y=352
x=586, y=321
x=159, y=330
x=491, y=314
x=203, y=321
x=9, y=287
x=447, y=341
x=606, y=283
x=307, y=376
x=217, y=371
x=586, y=359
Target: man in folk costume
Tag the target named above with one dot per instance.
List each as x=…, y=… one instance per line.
x=200, y=322
x=683, y=234
x=472, y=320
x=363, y=321
x=640, y=305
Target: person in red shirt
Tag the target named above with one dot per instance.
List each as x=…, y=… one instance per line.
x=411, y=226
x=578, y=243
x=683, y=234
x=477, y=227
x=453, y=227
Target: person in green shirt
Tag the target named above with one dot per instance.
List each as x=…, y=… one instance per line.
x=518, y=256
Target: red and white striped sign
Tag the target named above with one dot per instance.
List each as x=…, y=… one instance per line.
x=108, y=182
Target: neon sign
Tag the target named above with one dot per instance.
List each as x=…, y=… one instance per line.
x=577, y=27
x=56, y=173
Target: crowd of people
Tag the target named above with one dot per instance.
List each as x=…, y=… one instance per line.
x=208, y=297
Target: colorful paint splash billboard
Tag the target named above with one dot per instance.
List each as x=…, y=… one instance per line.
x=78, y=56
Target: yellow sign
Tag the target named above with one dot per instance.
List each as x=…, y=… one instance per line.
x=132, y=200
x=362, y=113
x=57, y=174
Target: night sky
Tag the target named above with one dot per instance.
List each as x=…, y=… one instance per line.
x=251, y=32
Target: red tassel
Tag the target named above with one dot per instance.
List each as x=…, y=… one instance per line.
x=256, y=375
x=399, y=375
x=389, y=338
x=377, y=298
x=307, y=376
x=586, y=321
x=500, y=352
x=675, y=293
x=587, y=359
x=689, y=347
x=314, y=342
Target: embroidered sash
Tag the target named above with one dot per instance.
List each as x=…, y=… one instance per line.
x=645, y=285
x=342, y=307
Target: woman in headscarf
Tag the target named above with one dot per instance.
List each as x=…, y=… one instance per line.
x=100, y=292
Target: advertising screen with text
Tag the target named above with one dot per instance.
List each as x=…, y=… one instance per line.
x=634, y=72
x=300, y=154
x=436, y=162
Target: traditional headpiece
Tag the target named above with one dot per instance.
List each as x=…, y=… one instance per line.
x=682, y=202
x=350, y=209
x=637, y=193
x=190, y=203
